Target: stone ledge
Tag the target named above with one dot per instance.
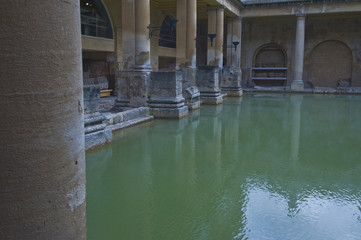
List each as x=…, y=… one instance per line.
x=97, y=139
x=129, y=123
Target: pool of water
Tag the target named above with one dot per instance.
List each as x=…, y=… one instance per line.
x=265, y=166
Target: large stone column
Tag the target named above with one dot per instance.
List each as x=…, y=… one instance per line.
x=219, y=37
x=232, y=73
x=186, y=50
x=237, y=37
x=212, y=29
x=191, y=33
x=142, y=41
x=181, y=42
x=133, y=81
x=42, y=177
x=297, y=82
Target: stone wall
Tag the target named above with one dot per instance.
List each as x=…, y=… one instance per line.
x=330, y=39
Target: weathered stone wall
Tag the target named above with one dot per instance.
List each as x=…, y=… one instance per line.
x=261, y=31
x=343, y=29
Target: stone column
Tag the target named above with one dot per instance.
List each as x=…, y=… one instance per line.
x=191, y=33
x=232, y=73
x=186, y=50
x=212, y=29
x=142, y=41
x=229, y=41
x=42, y=164
x=297, y=82
x=133, y=81
x=219, y=38
x=181, y=42
x=237, y=37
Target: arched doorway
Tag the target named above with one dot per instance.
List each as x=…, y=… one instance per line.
x=330, y=65
x=269, y=66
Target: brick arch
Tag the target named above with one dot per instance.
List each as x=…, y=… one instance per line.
x=330, y=65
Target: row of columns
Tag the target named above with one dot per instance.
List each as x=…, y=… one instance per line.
x=136, y=16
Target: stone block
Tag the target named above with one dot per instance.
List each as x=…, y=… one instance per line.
x=189, y=77
x=207, y=78
x=138, y=89
x=166, y=84
x=122, y=92
x=192, y=98
x=166, y=100
x=98, y=138
x=231, y=81
x=208, y=85
x=91, y=95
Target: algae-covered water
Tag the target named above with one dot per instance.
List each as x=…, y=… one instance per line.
x=264, y=166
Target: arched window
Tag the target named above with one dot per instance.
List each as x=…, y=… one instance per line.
x=168, y=32
x=94, y=19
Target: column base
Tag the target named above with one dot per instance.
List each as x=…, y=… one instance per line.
x=211, y=98
x=170, y=112
x=297, y=85
x=232, y=91
x=168, y=107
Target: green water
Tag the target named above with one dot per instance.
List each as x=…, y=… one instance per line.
x=265, y=166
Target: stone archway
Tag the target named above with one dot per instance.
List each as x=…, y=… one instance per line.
x=269, y=66
x=330, y=65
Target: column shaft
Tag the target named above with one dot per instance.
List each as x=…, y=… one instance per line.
x=219, y=37
x=297, y=83
x=42, y=178
x=128, y=34
x=142, y=42
x=237, y=37
x=229, y=41
x=181, y=33
x=191, y=32
x=212, y=29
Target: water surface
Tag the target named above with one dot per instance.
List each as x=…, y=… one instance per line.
x=265, y=166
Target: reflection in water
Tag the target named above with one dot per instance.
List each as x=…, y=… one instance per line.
x=265, y=166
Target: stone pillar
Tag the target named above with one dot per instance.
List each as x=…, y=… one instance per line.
x=232, y=73
x=186, y=50
x=297, y=82
x=229, y=41
x=181, y=42
x=237, y=37
x=208, y=84
x=212, y=29
x=142, y=41
x=191, y=33
x=219, y=37
x=42, y=178
x=215, y=26
x=133, y=81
